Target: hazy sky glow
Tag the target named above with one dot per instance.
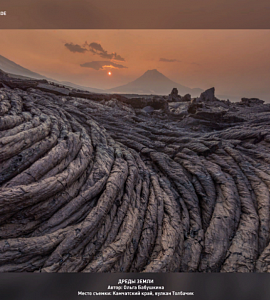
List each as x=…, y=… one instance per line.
x=236, y=62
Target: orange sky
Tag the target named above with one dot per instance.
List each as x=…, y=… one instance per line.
x=236, y=62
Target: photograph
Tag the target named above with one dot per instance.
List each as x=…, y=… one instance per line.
x=134, y=160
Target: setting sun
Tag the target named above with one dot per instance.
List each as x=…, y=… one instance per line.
x=109, y=73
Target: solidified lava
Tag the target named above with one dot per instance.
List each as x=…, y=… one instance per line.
x=95, y=183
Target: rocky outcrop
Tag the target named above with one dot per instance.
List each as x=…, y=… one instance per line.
x=251, y=101
x=208, y=95
x=174, y=97
x=92, y=185
x=186, y=98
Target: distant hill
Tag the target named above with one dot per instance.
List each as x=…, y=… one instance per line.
x=13, y=68
x=154, y=82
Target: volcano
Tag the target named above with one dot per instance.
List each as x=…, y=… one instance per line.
x=154, y=82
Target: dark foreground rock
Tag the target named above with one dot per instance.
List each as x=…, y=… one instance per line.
x=98, y=186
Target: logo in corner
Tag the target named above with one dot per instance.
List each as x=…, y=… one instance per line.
x=3, y=13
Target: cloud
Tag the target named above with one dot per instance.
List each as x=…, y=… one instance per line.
x=95, y=48
x=102, y=65
x=75, y=48
x=168, y=60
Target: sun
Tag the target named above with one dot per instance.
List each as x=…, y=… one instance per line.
x=109, y=73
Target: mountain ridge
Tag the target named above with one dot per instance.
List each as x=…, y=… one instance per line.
x=13, y=68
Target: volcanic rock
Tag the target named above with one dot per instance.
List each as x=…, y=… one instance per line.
x=186, y=98
x=174, y=97
x=94, y=185
x=208, y=95
x=148, y=109
x=53, y=89
x=251, y=101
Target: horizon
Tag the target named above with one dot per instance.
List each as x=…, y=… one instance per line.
x=235, y=62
